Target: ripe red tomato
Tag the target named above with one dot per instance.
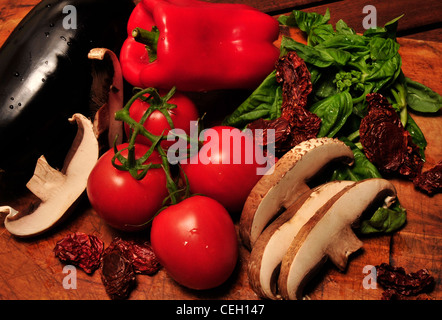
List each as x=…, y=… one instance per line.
x=196, y=243
x=119, y=199
x=157, y=124
x=224, y=172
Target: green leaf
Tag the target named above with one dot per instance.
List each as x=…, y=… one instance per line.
x=384, y=72
x=417, y=136
x=385, y=220
x=383, y=49
x=421, y=98
x=305, y=20
x=360, y=170
x=388, y=31
x=385, y=64
x=265, y=102
x=324, y=87
x=348, y=42
x=343, y=28
x=333, y=112
x=320, y=34
x=315, y=25
x=318, y=57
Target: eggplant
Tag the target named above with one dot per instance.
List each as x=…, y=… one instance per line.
x=46, y=77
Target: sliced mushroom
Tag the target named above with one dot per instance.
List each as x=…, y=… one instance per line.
x=104, y=121
x=329, y=234
x=273, y=243
x=287, y=183
x=57, y=190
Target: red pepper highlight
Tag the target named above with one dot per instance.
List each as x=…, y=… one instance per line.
x=200, y=46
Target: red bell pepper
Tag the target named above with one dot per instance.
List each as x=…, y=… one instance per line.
x=199, y=46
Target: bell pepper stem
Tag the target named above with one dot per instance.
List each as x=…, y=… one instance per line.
x=149, y=39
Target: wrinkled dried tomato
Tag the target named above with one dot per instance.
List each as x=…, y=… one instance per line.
x=117, y=273
x=387, y=144
x=398, y=283
x=430, y=181
x=296, y=123
x=140, y=254
x=80, y=249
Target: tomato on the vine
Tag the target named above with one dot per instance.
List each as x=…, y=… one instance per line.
x=196, y=242
x=224, y=172
x=119, y=199
x=157, y=124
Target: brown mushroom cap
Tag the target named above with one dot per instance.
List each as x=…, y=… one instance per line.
x=273, y=243
x=287, y=183
x=328, y=234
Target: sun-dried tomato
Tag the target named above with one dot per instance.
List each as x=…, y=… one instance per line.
x=80, y=249
x=140, y=254
x=117, y=273
x=296, y=123
x=398, y=283
x=430, y=181
x=292, y=72
x=387, y=144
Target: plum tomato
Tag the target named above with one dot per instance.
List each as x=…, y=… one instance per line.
x=157, y=124
x=122, y=201
x=226, y=172
x=196, y=242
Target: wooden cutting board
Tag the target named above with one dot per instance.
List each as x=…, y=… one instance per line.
x=29, y=269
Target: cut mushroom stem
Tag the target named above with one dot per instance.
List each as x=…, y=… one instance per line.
x=288, y=182
x=57, y=190
x=273, y=243
x=105, y=117
x=329, y=234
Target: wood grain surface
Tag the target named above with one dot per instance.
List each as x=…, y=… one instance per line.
x=29, y=270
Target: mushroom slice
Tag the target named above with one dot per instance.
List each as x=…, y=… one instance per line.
x=287, y=183
x=328, y=234
x=273, y=243
x=57, y=190
x=104, y=120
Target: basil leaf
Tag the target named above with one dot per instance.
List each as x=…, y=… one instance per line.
x=348, y=42
x=318, y=57
x=306, y=21
x=417, y=136
x=384, y=73
x=386, y=62
x=343, y=28
x=324, y=87
x=315, y=25
x=265, y=102
x=360, y=170
x=421, y=98
x=320, y=34
x=385, y=220
x=333, y=112
x=388, y=31
x=383, y=49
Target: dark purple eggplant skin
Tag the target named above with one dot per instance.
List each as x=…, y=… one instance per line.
x=46, y=77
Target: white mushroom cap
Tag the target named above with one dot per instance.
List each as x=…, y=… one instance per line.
x=57, y=190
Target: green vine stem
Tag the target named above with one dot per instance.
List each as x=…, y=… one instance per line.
x=136, y=167
x=149, y=39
